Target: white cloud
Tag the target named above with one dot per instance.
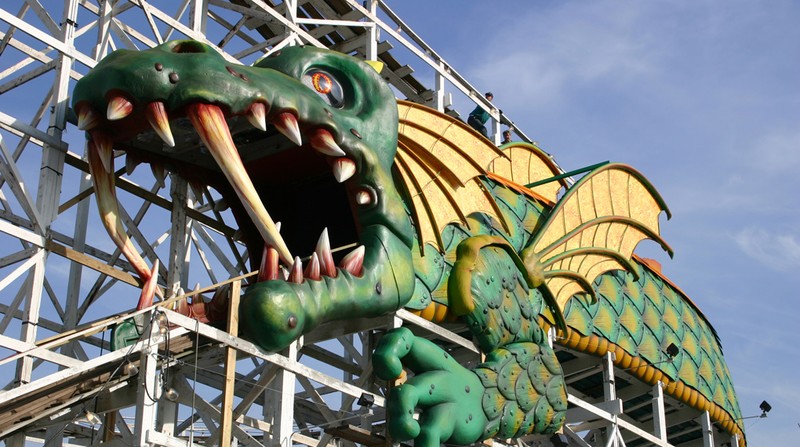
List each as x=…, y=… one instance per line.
x=777, y=251
x=560, y=48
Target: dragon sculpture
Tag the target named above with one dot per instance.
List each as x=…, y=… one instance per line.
x=442, y=223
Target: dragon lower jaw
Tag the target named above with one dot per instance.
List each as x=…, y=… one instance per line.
x=209, y=122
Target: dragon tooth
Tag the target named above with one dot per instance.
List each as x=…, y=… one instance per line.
x=131, y=162
x=343, y=169
x=296, y=274
x=286, y=123
x=354, y=261
x=87, y=118
x=313, y=268
x=104, y=151
x=323, y=141
x=159, y=173
x=257, y=115
x=269, y=265
x=99, y=147
x=156, y=115
x=118, y=108
x=209, y=121
x=220, y=205
x=197, y=190
x=323, y=252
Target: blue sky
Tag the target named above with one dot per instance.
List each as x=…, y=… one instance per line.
x=703, y=97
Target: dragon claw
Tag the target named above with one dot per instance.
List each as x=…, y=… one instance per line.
x=441, y=388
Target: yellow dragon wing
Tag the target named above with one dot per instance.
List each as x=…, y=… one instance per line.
x=524, y=164
x=440, y=161
x=594, y=228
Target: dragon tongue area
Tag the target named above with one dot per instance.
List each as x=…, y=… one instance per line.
x=209, y=121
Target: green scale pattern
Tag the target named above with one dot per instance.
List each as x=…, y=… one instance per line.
x=523, y=382
x=432, y=270
x=642, y=316
x=645, y=316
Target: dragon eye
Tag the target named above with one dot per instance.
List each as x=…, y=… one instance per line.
x=326, y=86
x=292, y=323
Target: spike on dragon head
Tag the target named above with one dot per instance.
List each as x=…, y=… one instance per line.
x=306, y=137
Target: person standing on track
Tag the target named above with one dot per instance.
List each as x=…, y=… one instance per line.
x=478, y=117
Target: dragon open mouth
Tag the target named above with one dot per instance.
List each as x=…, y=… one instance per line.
x=306, y=138
x=300, y=188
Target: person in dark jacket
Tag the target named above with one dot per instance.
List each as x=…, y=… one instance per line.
x=478, y=117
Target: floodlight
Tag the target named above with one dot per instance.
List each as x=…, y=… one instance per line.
x=366, y=400
x=672, y=351
x=92, y=417
x=765, y=407
x=171, y=394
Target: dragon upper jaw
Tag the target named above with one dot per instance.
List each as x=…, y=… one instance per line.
x=209, y=121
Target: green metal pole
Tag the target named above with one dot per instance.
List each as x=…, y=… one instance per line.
x=567, y=174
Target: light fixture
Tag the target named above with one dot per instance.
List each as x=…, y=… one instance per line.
x=765, y=408
x=366, y=400
x=160, y=319
x=92, y=417
x=171, y=394
x=672, y=351
x=130, y=369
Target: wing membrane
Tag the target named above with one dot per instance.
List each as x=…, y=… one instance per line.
x=595, y=228
x=525, y=164
x=440, y=160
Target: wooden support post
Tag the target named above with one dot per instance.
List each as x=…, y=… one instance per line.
x=149, y=390
x=659, y=416
x=609, y=394
x=226, y=412
x=495, y=137
x=707, y=429
x=609, y=388
x=109, y=422
x=438, y=97
x=167, y=417
x=283, y=404
x=372, y=35
x=180, y=241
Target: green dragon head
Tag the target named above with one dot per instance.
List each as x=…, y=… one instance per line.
x=306, y=137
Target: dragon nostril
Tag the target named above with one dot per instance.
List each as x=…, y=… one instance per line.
x=174, y=78
x=159, y=66
x=189, y=46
